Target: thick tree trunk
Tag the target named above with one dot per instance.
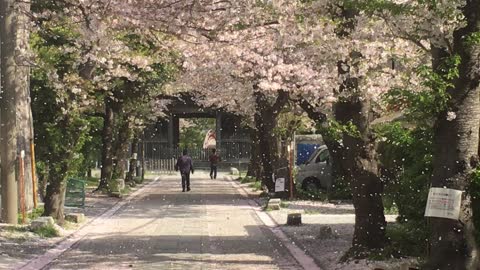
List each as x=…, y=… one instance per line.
x=255, y=166
x=107, y=141
x=360, y=167
x=452, y=243
x=133, y=160
x=120, y=149
x=265, y=121
x=55, y=193
x=9, y=81
x=59, y=164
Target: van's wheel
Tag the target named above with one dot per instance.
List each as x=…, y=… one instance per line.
x=311, y=185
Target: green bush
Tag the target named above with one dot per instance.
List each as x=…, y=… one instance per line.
x=407, y=156
x=339, y=191
x=256, y=185
x=35, y=213
x=47, y=231
x=406, y=240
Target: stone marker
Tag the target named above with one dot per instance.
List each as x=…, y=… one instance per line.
x=294, y=219
x=75, y=217
x=41, y=222
x=274, y=204
x=234, y=171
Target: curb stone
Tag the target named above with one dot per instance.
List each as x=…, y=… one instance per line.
x=64, y=244
x=302, y=257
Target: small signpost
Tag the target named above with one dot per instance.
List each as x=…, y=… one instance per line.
x=280, y=184
x=444, y=203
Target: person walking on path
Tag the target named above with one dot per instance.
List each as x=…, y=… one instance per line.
x=185, y=165
x=214, y=159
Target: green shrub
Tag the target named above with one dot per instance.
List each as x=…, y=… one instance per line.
x=407, y=156
x=35, y=213
x=407, y=239
x=257, y=185
x=47, y=231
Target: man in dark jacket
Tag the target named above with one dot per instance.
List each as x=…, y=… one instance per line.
x=185, y=165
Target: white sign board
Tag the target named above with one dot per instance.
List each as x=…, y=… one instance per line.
x=280, y=184
x=444, y=203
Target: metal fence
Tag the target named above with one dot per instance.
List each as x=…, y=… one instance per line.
x=159, y=157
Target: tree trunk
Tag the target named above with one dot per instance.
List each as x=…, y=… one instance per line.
x=265, y=121
x=452, y=242
x=8, y=145
x=360, y=168
x=133, y=160
x=255, y=165
x=55, y=193
x=107, y=141
x=120, y=148
x=59, y=164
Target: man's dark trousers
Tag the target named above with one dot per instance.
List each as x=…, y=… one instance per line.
x=185, y=181
x=213, y=172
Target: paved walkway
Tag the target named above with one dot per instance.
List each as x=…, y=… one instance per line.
x=210, y=227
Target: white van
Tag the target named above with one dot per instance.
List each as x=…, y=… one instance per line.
x=316, y=172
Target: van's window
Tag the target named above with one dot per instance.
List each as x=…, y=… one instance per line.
x=322, y=157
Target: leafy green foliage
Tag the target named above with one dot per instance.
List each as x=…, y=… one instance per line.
x=421, y=105
x=193, y=134
x=472, y=39
x=374, y=6
x=408, y=155
x=35, y=213
x=335, y=130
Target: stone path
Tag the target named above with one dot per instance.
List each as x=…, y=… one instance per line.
x=210, y=227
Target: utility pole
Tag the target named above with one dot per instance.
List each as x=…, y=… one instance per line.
x=8, y=130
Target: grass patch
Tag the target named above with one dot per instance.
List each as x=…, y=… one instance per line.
x=312, y=195
x=92, y=182
x=35, y=213
x=126, y=190
x=47, y=231
x=391, y=210
x=16, y=228
x=404, y=240
x=256, y=185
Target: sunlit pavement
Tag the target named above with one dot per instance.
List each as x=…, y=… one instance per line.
x=210, y=227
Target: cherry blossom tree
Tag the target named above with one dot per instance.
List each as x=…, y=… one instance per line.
x=448, y=31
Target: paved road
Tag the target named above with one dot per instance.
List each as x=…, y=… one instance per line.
x=210, y=227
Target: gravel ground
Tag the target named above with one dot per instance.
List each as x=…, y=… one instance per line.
x=326, y=233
